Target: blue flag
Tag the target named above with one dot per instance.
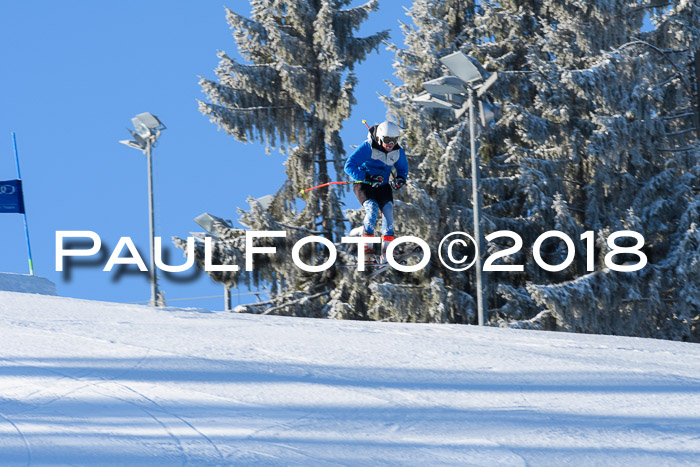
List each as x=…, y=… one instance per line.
x=11, y=199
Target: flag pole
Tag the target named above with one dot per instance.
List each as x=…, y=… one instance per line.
x=26, y=226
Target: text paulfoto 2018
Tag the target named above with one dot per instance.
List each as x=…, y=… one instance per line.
x=461, y=263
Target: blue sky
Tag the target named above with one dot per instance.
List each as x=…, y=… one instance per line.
x=74, y=74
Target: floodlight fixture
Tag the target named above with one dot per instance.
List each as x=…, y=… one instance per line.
x=137, y=143
x=147, y=124
x=462, y=67
x=132, y=144
x=266, y=201
x=438, y=101
x=208, y=223
x=486, y=112
x=148, y=128
x=445, y=85
x=432, y=101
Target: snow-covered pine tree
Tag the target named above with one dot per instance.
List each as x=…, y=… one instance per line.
x=613, y=103
x=677, y=35
x=606, y=127
x=596, y=133
x=537, y=144
x=293, y=92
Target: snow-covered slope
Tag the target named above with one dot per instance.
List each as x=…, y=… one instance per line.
x=91, y=383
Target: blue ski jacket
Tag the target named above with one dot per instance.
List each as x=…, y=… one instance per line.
x=371, y=159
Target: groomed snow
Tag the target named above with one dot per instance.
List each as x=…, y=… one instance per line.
x=88, y=383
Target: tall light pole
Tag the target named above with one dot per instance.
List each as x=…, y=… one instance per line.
x=210, y=224
x=148, y=129
x=481, y=306
x=448, y=92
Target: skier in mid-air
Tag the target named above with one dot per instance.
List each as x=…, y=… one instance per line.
x=372, y=163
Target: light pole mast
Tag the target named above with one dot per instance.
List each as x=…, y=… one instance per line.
x=448, y=92
x=155, y=293
x=148, y=129
x=476, y=205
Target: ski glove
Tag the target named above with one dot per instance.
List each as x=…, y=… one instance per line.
x=397, y=182
x=375, y=180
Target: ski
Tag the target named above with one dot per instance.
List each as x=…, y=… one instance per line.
x=401, y=259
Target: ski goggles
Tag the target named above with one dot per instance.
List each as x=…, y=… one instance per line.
x=390, y=140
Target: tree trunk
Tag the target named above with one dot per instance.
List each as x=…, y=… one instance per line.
x=697, y=94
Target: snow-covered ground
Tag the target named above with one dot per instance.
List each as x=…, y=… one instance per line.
x=90, y=383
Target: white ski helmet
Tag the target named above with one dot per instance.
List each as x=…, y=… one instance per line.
x=387, y=129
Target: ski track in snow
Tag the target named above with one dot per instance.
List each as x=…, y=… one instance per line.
x=86, y=383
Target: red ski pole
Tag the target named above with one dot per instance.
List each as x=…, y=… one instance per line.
x=304, y=190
